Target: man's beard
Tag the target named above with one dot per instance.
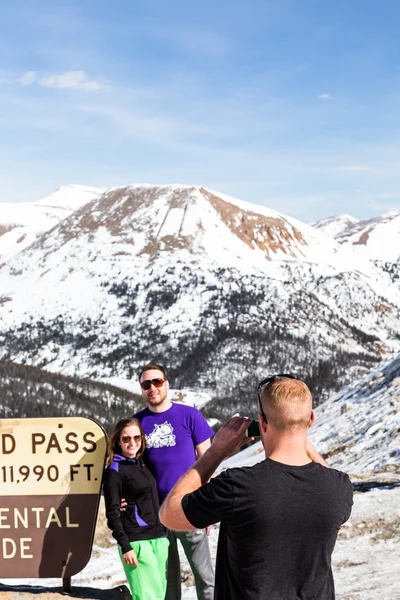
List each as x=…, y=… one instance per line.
x=157, y=400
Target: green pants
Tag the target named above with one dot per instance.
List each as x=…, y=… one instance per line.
x=148, y=581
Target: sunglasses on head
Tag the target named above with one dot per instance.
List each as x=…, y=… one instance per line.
x=146, y=385
x=127, y=438
x=267, y=381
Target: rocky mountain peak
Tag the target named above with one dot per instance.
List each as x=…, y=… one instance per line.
x=148, y=220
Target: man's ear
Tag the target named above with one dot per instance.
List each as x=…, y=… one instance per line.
x=263, y=424
x=167, y=385
x=312, y=419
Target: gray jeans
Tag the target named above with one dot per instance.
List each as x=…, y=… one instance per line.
x=197, y=550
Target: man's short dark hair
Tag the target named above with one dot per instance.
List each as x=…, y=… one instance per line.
x=153, y=366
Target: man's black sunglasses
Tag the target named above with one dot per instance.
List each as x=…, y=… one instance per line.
x=268, y=381
x=157, y=382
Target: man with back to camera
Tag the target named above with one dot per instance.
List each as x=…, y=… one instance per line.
x=175, y=436
x=279, y=518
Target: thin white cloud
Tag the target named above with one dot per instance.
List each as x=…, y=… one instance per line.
x=355, y=169
x=164, y=130
x=28, y=78
x=77, y=80
x=388, y=195
x=192, y=39
x=384, y=207
x=326, y=97
x=206, y=43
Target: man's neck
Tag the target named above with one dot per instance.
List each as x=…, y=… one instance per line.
x=289, y=450
x=160, y=408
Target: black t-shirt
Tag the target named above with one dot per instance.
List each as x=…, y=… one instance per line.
x=279, y=525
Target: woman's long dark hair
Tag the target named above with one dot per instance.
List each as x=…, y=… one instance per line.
x=113, y=442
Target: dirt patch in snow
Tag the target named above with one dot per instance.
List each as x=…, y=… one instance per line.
x=270, y=234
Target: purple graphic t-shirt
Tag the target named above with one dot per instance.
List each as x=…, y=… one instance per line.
x=171, y=437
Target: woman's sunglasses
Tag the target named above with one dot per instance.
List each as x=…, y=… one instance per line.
x=146, y=385
x=127, y=438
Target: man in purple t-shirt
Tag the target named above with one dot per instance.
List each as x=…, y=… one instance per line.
x=176, y=435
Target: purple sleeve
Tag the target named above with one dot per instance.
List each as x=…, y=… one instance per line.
x=201, y=431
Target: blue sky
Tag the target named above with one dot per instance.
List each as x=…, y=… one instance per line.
x=293, y=104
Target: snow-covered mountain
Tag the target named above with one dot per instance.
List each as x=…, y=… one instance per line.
x=334, y=226
x=22, y=223
x=223, y=293
x=377, y=239
x=218, y=289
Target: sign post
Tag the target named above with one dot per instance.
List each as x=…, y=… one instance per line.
x=50, y=480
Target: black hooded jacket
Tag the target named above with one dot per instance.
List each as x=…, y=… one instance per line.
x=130, y=479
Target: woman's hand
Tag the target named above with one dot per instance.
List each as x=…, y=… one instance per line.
x=131, y=559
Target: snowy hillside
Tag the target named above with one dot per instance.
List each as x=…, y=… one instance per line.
x=219, y=289
x=359, y=427
x=31, y=392
x=378, y=238
x=357, y=430
x=334, y=226
x=22, y=223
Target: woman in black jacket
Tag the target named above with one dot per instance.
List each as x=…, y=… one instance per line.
x=142, y=545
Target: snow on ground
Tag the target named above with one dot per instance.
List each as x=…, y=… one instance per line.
x=195, y=398
x=367, y=553
x=131, y=385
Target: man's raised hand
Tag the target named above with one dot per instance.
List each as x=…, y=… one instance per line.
x=231, y=436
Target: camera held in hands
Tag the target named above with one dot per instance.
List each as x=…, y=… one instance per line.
x=253, y=429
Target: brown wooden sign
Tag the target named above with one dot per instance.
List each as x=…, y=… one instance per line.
x=50, y=480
